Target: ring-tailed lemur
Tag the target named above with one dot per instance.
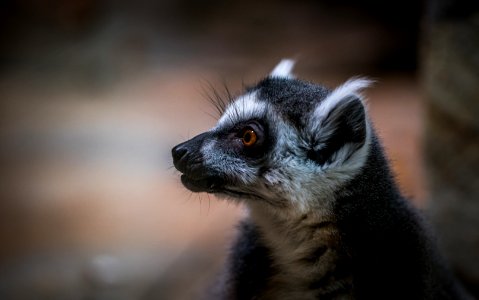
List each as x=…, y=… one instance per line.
x=326, y=220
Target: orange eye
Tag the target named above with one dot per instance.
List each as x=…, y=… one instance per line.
x=249, y=138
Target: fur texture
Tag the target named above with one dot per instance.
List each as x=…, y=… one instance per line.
x=326, y=220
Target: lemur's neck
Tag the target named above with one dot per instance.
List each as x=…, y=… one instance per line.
x=306, y=252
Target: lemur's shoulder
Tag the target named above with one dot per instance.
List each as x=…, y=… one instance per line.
x=393, y=249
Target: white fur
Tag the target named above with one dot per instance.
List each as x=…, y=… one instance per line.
x=293, y=180
x=352, y=87
x=283, y=69
x=290, y=239
x=227, y=164
x=244, y=108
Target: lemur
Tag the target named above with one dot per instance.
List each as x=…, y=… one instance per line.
x=326, y=219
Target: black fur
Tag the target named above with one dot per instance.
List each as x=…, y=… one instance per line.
x=282, y=93
x=249, y=267
x=393, y=253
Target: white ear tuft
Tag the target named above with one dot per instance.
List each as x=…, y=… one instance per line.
x=352, y=87
x=283, y=69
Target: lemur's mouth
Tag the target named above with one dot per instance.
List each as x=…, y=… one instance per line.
x=213, y=185
x=207, y=184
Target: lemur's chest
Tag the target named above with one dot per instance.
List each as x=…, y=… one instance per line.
x=309, y=261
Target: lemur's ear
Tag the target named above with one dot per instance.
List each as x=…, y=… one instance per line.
x=283, y=69
x=339, y=126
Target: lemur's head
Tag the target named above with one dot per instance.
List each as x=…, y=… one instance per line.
x=284, y=142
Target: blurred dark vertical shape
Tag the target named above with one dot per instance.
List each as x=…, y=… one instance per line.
x=451, y=77
x=400, y=19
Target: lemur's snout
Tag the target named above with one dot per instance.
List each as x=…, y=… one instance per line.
x=183, y=151
x=188, y=153
x=188, y=159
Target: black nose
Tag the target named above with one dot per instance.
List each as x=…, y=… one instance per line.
x=178, y=152
x=184, y=152
x=180, y=156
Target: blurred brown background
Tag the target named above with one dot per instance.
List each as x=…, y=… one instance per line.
x=93, y=95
